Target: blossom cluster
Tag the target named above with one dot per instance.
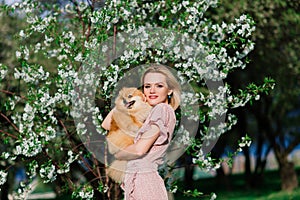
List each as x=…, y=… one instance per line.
x=86, y=192
x=206, y=162
x=3, y=71
x=3, y=176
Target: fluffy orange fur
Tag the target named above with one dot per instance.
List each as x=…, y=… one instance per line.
x=129, y=114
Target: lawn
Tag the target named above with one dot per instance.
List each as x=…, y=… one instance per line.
x=268, y=189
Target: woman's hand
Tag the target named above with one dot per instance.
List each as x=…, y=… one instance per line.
x=107, y=121
x=141, y=147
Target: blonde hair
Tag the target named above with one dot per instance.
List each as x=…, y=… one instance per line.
x=171, y=82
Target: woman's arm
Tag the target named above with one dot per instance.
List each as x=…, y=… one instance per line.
x=141, y=147
x=107, y=121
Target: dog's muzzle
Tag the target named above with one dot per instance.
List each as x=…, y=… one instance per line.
x=129, y=104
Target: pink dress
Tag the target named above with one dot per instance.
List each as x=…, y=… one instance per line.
x=142, y=181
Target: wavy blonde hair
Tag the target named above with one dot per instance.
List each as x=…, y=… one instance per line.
x=172, y=82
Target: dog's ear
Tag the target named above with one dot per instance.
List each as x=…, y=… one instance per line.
x=140, y=87
x=144, y=98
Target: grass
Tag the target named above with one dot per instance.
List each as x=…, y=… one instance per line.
x=269, y=189
x=237, y=190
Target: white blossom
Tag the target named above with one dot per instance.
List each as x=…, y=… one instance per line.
x=18, y=54
x=79, y=57
x=3, y=176
x=213, y=196
x=85, y=193
x=184, y=138
x=162, y=18
x=48, y=173
x=257, y=97
x=3, y=73
x=22, y=34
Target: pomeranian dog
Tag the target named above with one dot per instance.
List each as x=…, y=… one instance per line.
x=129, y=114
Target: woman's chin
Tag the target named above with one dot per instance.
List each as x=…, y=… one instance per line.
x=154, y=102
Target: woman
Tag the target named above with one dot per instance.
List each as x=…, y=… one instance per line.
x=142, y=181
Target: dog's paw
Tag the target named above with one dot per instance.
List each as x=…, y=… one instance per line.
x=112, y=148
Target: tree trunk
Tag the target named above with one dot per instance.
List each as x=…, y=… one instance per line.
x=248, y=174
x=188, y=172
x=261, y=161
x=222, y=179
x=288, y=175
x=4, y=191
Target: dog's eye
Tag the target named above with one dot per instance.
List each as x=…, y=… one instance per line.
x=130, y=96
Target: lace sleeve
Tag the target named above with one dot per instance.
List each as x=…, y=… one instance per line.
x=159, y=116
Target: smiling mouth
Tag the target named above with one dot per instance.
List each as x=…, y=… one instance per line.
x=152, y=97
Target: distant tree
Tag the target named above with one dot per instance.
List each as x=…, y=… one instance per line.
x=276, y=54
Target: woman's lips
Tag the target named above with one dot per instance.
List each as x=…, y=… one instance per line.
x=153, y=97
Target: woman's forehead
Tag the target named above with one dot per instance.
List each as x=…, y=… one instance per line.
x=154, y=78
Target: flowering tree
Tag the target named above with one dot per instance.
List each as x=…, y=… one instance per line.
x=72, y=57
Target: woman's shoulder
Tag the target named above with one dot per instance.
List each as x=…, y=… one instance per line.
x=162, y=111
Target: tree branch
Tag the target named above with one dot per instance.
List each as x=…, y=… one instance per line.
x=11, y=93
x=12, y=124
x=8, y=134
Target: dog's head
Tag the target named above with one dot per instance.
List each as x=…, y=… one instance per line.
x=129, y=98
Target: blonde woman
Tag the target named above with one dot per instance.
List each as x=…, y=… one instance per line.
x=162, y=92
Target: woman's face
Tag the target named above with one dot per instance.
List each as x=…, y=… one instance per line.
x=156, y=89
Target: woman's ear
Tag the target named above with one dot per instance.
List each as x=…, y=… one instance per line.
x=170, y=92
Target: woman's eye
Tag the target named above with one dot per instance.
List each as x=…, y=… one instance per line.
x=160, y=86
x=147, y=86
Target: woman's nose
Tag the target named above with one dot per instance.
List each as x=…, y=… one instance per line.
x=152, y=90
